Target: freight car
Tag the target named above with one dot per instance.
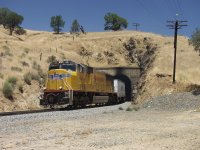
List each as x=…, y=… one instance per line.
x=119, y=88
x=73, y=84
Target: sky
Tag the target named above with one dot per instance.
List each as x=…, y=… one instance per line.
x=150, y=14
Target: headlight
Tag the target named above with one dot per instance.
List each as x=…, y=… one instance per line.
x=60, y=88
x=44, y=88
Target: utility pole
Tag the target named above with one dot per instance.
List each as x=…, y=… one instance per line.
x=136, y=25
x=175, y=25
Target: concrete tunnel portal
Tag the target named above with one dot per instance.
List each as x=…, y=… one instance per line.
x=129, y=75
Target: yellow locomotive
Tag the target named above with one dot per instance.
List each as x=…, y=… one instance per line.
x=69, y=83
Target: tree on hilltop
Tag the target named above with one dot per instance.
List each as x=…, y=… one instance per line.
x=12, y=21
x=3, y=15
x=57, y=23
x=114, y=22
x=75, y=28
x=195, y=40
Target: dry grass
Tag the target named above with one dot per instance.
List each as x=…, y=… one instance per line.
x=187, y=70
x=25, y=54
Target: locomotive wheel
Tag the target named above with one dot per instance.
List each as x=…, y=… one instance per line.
x=51, y=101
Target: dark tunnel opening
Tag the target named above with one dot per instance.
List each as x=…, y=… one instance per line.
x=127, y=75
x=128, y=87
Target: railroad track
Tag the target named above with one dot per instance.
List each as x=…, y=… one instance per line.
x=43, y=110
x=49, y=110
x=26, y=112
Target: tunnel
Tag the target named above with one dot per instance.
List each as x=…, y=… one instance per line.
x=129, y=75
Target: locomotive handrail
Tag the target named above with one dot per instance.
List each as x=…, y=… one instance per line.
x=69, y=87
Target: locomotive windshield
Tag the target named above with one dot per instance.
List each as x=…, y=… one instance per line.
x=54, y=66
x=68, y=66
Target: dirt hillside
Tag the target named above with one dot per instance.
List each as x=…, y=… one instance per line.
x=30, y=53
x=158, y=79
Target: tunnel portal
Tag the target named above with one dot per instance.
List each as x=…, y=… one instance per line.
x=129, y=75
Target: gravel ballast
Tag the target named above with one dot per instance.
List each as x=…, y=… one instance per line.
x=174, y=102
x=6, y=121
x=151, y=127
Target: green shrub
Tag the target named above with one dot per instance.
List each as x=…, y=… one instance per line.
x=8, y=87
x=121, y=108
x=99, y=57
x=20, y=31
x=136, y=108
x=35, y=76
x=51, y=59
x=24, y=63
x=195, y=40
x=6, y=47
x=129, y=109
x=1, y=76
x=20, y=88
x=28, y=78
x=26, y=50
x=63, y=56
x=8, y=53
x=23, y=55
x=8, y=90
x=16, y=69
x=42, y=74
x=12, y=80
x=36, y=66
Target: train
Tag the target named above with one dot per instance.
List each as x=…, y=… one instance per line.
x=72, y=84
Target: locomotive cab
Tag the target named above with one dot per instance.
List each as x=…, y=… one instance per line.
x=58, y=89
x=63, y=79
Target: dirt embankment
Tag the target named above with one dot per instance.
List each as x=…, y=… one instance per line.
x=157, y=79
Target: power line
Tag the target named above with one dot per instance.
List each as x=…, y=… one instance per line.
x=178, y=24
x=149, y=11
x=172, y=6
x=168, y=6
x=176, y=4
x=180, y=8
x=136, y=25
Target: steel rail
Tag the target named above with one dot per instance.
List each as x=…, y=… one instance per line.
x=26, y=112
